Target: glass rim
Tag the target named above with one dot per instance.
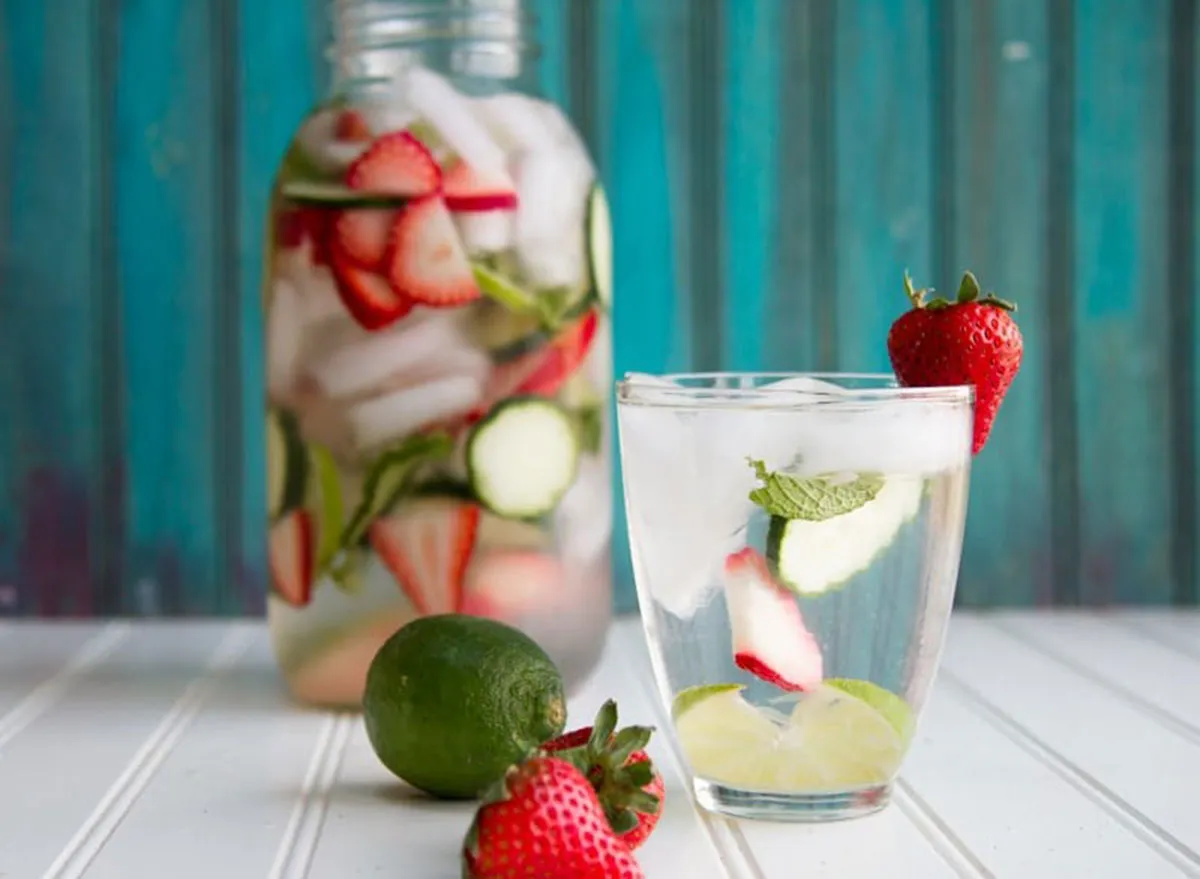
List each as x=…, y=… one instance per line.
x=877, y=387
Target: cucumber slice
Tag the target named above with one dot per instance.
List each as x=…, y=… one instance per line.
x=335, y=195
x=287, y=464
x=522, y=457
x=815, y=557
x=600, y=247
x=388, y=479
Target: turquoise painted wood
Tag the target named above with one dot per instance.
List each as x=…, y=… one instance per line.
x=773, y=166
x=1121, y=314
x=997, y=171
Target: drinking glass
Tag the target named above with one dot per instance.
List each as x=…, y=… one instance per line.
x=796, y=542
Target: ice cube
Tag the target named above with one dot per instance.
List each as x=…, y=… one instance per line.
x=552, y=188
x=516, y=122
x=485, y=231
x=285, y=337
x=583, y=518
x=682, y=519
x=453, y=116
x=318, y=140
x=398, y=357
x=387, y=112
x=393, y=416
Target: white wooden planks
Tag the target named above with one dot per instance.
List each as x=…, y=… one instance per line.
x=1055, y=745
x=231, y=777
x=1118, y=754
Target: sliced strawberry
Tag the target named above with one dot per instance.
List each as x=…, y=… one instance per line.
x=427, y=262
x=426, y=545
x=543, y=371
x=468, y=189
x=290, y=555
x=506, y=584
x=367, y=295
x=363, y=234
x=770, y=639
x=294, y=227
x=351, y=126
x=396, y=164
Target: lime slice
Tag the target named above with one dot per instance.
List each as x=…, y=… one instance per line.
x=326, y=500
x=887, y=703
x=832, y=741
x=692, y=695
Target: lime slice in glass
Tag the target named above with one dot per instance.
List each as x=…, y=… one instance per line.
x=832, y=741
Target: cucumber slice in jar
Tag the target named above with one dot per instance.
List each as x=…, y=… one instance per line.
x=320, y=193
x=600, y=247
x=522, y=457
x=287, y=464
x=814, y=557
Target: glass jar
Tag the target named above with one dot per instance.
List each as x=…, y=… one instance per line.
x=437, y=289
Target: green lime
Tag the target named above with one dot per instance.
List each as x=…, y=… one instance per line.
x=452, y=701
x=892, y=707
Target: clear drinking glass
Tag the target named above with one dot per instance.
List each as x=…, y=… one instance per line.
x=796, y=542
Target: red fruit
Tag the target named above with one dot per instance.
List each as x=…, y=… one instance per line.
x=351, y=126
x=543, y=372
x=505, y=584
x=544, y=821
x=366, y=294
x=292, y=541
x=770, y=639
x=426, y=545
x=296, y=226
x=469, y=190
x=971, y=341
x=362, y=234
x=619, y=770
x=427, y=262
x=396, y=164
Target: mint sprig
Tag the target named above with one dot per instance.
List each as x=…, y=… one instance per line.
x=813, y=499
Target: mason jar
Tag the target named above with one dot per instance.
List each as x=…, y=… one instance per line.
x=437, y=286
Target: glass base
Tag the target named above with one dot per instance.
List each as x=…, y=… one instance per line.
x=804, y=808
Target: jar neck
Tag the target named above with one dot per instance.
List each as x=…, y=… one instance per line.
x=484, y=45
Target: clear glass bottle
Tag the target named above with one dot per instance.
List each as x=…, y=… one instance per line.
x=437, y=289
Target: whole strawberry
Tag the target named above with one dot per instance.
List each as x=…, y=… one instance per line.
x=971, y=341
x=616, y=764
x=543, y=820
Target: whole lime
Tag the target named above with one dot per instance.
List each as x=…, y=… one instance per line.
x=452, y=701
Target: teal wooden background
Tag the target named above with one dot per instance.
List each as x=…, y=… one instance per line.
x=774, y=165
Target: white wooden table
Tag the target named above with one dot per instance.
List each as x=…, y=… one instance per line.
x=1059, y=746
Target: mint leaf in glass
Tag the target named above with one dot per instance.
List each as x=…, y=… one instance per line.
x=814, y=498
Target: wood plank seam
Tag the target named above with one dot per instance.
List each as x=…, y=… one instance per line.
x=46, y=694
x=293, y=858
x=79, y=853
x=941, y=837
x=1164, y=718
x=1123, y=812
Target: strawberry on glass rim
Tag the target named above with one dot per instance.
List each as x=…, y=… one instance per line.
x=970, y=341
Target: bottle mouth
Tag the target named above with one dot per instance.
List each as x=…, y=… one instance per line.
x=485, y=37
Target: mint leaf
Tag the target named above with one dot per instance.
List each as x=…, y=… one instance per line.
x=814, y=499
